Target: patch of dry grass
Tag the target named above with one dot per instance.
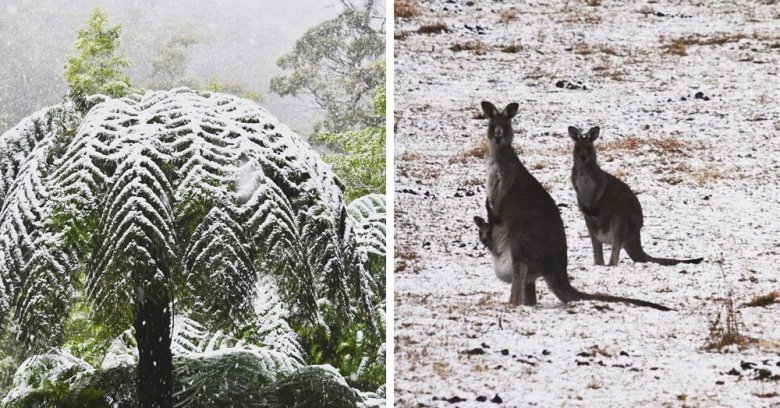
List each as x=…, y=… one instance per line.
x=410, y=156
x=664, y=145
x=593, y=3
x=477, y=47
x=583, y=49
x=404, y=258
x=479, y=150
x=679, y=46
x=706, y=176
x=764, y=300
x=676, y=48
x=512, y=48
x=433, y=28
x=443, y=370
x=405, y=9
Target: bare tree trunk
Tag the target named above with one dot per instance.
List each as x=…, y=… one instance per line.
x=155, y=361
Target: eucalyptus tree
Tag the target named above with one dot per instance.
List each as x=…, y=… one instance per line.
x=169, y=203
x=338, y=63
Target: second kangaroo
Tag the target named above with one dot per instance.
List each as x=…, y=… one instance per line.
x=611, y=210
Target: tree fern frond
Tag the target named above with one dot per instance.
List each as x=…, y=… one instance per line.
x=218, y=270
x=368, y=219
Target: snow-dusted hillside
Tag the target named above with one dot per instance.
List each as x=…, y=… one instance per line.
x=695, y=136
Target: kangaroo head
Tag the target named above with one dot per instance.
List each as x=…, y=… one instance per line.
x=500, y=123
x=583, y=144
x=485, y=231
x=486, y=227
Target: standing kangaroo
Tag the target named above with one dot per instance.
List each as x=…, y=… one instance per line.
x=611, y=210
x=525, y=232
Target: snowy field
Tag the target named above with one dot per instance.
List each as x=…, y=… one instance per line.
x=688, y=100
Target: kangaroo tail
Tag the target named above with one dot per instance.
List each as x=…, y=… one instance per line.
x=637, y=254
x=566, y=293
x=609, y=298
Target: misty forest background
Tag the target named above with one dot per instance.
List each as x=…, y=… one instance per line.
x=319, y=67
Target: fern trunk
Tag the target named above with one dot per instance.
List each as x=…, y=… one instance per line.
x=155, y=360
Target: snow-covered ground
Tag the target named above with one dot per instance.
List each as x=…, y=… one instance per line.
x=706, y=169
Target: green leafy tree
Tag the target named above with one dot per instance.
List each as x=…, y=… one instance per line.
x=359, y=157
x=335, y=63
x=96, y=69
x=169, y=64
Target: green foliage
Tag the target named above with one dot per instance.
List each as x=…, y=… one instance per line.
x=58, y=395
x=214, y=85
x=335, y=63
x=9, y=360
x=350, y=348
x=97, y=69
x=84, y=337
x=359, y=160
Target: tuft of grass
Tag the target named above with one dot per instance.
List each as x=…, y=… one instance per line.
x=405, y=9
x=676, y=47
x=477, y=47
x=725, y=328
x=433, y=28
x=410, y=156
x=593, y=3
x=400, y=35
x=595, y=384
x=512, y=48
x=582, y=49
x=706, y=176
x=507, y=16
x=764, y=300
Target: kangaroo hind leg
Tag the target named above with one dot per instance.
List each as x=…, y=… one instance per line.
x=518, y=292
x=618, y=240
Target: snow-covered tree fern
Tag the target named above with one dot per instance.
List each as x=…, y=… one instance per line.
x=177, y=202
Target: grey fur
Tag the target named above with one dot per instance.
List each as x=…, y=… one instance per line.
x=492, y=232
x=611, y=210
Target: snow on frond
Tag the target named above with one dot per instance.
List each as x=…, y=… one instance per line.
x=271, y=315
x=192, y=340
x=122, y=351
x=368, y=219
x=17, y=143
x=36, y=371
x=28, y=254
x=45, y=297
x=136, y=235
x=218, y=270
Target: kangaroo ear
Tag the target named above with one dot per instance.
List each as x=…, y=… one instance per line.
x=479, y=221
x=593, y=133
x=489, y=109
x=574, y=133
x=511, y=110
